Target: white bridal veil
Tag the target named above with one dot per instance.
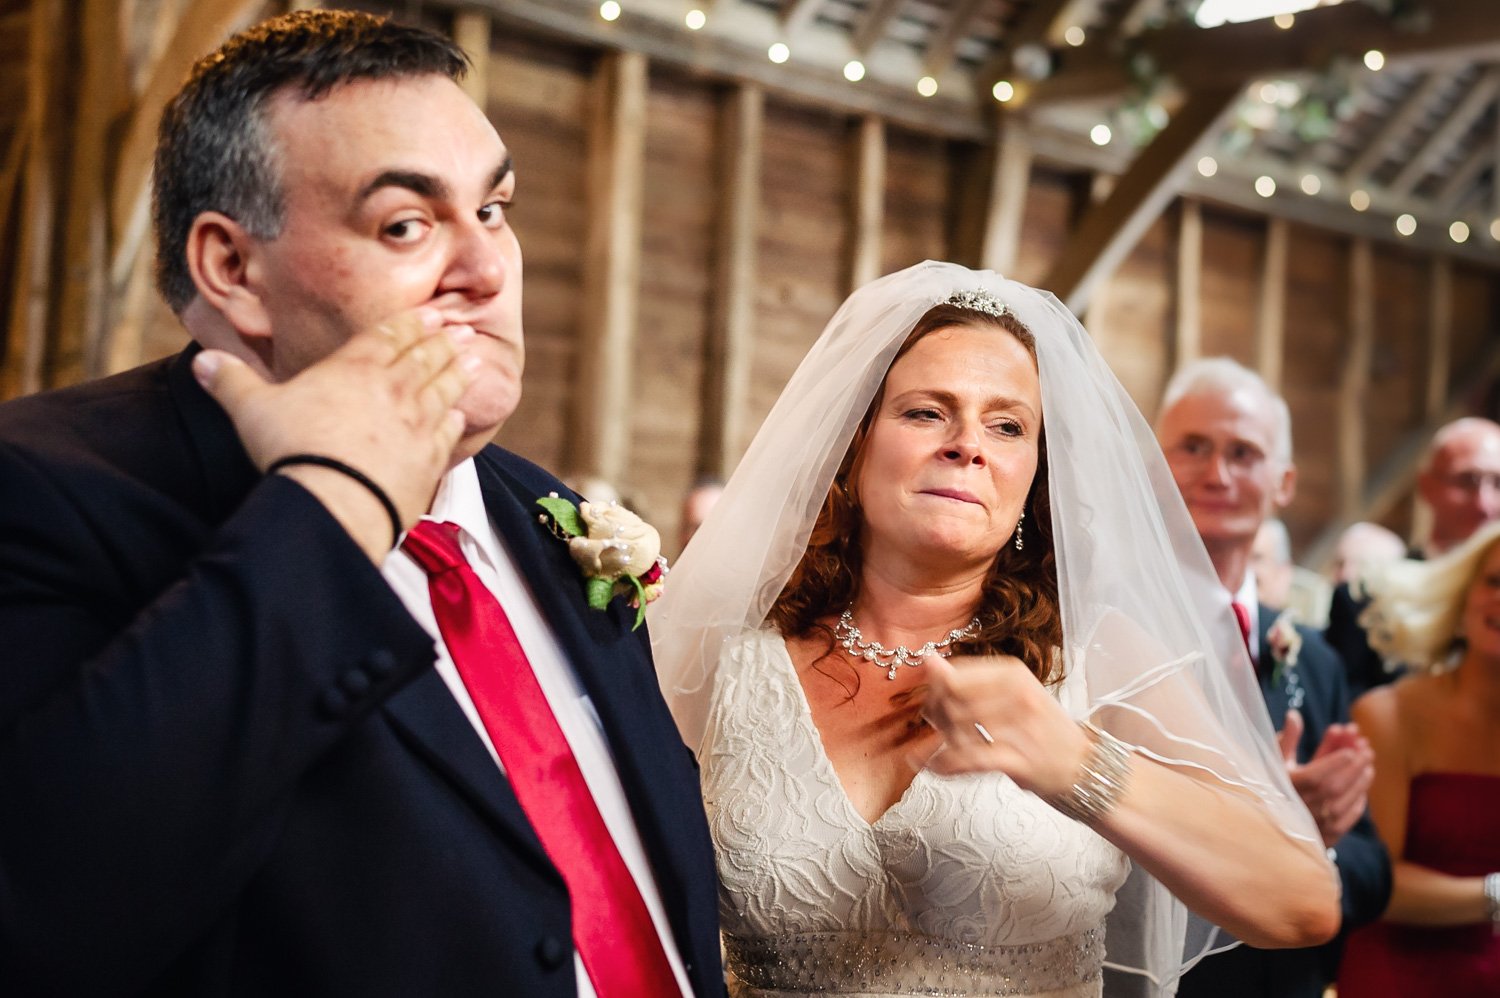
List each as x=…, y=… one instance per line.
x=1152, y=651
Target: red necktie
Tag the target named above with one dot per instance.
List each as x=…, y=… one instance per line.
x=1242, y=614
x=611, y=926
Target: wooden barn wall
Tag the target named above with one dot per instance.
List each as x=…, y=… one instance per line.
x=1317, y=337
x=541, y=97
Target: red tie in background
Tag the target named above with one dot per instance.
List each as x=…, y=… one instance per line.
x=611, y=926
x=1243, y=616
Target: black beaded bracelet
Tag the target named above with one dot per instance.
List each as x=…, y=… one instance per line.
x=320, y=461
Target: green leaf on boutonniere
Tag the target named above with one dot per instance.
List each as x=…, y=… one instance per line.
x=640, y=600
x=564, y=515
x=599, y=592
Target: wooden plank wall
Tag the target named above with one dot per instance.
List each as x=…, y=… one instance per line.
x=542, y=96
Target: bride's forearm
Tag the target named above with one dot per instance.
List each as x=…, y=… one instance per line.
x=1224, y=857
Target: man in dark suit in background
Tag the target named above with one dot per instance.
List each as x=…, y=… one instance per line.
x=1459, y=484
x=229, y=762
x=1227, y=438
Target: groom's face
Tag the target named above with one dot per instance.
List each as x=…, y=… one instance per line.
x=396, y=194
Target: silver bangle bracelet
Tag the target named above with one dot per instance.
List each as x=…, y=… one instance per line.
x=1101, y=780
x=1492, y=900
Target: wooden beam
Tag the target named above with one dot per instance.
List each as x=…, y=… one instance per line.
x=1110, y=229
x=26, y=340
x=204, y=24
x=1006, y=207
x=943, y=46
x=1355, y=379
x=1439, y=335
x=471, y=30
x=1033, y=26
x=1188, y=342
x=867, y=201
x=611, y=268
x=1459, y=184
x=10, y=173
x=1270, y=325
x=1395, y=125
x=731, y=321
x=124, y=345
x=101, y=99
x=1455, y=124
x=878, y=16
x=1233, y=54
x=798, y=14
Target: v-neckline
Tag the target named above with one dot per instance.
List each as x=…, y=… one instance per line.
x=825, y=761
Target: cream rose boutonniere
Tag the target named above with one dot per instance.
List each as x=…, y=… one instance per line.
x=1285, y=644
x=618, y=552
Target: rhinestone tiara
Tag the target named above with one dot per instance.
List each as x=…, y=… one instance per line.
x=978, y=301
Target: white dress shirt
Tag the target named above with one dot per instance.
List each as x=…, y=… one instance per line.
x=459, y=501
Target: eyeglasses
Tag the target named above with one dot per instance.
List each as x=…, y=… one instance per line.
x=1473, y=481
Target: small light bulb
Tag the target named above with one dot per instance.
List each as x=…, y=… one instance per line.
x=1265, y=186
x=1374, y=60
x=1495, y=230
x=1074, y=36
x=1311, y=184
x=1406, y=224
x=1459, y=232
x=1269, y=92
x=1208, y=166
x=609, y=10
x=1003, y=91
x=696, y=19
x=1284, y=21
x=927, y=86
x=778, y=53
x=1101, y=134
x=1359, y=200
x=854, y=71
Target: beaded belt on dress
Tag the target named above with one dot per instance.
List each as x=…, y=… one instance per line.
x=906, y=963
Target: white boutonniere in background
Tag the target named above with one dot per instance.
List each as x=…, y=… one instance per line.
x=1285, y=643
x=618, y=552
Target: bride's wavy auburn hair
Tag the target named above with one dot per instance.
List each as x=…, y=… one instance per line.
x=1018, y=609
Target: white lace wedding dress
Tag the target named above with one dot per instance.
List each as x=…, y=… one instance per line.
x=966, y=886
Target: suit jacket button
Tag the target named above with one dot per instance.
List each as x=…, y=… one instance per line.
x=356, y=683
x=381, y=664
x=333, y=703
x=551, y=952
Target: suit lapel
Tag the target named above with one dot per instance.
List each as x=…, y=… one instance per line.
x=1275, y=693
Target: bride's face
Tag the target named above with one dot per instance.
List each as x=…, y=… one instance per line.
x=952, y=449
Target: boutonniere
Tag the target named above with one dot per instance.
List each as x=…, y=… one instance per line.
x=618, y=552
x=1285, y=643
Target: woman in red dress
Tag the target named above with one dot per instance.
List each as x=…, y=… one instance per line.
x=1436, y=796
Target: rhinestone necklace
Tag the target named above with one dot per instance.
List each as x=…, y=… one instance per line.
x=892, y=659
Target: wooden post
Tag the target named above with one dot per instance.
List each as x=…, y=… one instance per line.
x=83, y=302
x=127, y=340
x=1439, y=336
x=1270, y=326
x=867, y=196
x=731, y=325
x=1188, y=345
x=26, y=341
x=1009, y=187
x=471, y=30
x=1356, y=379
x=611, y=267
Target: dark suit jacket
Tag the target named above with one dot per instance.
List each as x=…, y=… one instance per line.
x=227, y=765
x=1364, y=869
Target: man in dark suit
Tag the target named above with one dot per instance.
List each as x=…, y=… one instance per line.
x=1459, y=484
x=1227, y=438
x=245, y=747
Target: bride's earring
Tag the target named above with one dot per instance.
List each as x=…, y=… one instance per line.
x=1019, y=542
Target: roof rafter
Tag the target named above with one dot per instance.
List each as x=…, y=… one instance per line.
x=940, y=51
x=1460, y=183
x=798, y=13
x=1034, y=25
x=1455, y=124
x=1396, y=124
x=1200, y=58
x=878, y=17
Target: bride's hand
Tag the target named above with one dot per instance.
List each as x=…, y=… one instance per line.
x=995, y=716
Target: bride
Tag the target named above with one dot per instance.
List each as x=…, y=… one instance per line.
x=953, y=471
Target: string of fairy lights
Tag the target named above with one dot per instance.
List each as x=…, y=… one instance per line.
x=1101, y=134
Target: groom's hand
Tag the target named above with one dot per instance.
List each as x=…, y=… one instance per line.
x=382, y=403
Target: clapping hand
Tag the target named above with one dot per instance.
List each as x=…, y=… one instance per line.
x=382, y=403
x=1335, y=782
